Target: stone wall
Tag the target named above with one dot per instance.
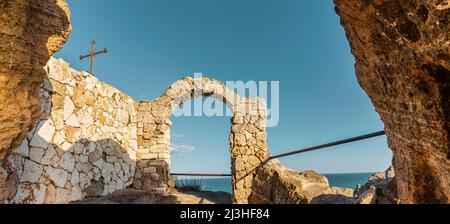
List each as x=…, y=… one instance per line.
x=402, y=51
x=248, y=145
x=92, y=139
x=84, y=143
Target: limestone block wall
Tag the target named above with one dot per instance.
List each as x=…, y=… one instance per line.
x=83, y=145
x=248, y=145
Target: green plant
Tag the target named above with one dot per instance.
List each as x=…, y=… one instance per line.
x=189, y=185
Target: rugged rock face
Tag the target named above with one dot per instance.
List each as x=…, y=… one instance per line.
x=275, y=184
x=402, y=49
x=381, y=189
x=30, y=31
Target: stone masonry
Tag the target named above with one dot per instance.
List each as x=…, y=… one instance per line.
x=92, y=140
x=247, y=139
x=83, y=145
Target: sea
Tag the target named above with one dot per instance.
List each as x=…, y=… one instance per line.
x=348, y=180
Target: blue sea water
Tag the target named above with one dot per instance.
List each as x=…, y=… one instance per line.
x=349, y=180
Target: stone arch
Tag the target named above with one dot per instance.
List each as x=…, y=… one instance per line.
x=248, y=147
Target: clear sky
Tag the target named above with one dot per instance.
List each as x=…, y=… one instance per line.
x=299, y=43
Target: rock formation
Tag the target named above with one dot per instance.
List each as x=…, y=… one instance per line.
x=380, y=189
x=30, y=31
x=402, y=51
x=276, y=184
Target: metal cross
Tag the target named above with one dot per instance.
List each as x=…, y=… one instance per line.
x=93, y=54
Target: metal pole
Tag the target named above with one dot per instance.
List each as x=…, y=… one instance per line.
x=92, y=56
x=328, y=145
x=200, y=175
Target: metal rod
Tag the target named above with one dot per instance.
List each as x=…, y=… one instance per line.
x=328, y=145
x=200, y=175
x=92, y=56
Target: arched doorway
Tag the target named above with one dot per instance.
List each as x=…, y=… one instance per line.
x=248, y=147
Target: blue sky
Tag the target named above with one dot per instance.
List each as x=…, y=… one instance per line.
x=299, y=43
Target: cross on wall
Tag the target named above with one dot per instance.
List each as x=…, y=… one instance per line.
x=92, y=54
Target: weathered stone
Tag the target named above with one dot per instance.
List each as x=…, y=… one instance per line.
x=274, y=184
x=58, y=176
x=58, y=139
x=62, y=196
x=30, y=32
x=68, y=108
x=73, y=121
x=36, y=154
x=29, y=193
x=43, y=135
x=50, y=158
x=402, y=52
x=31, y=172
x=368, y=197
x=23, y=149
x=51, y=195
x=68, y=162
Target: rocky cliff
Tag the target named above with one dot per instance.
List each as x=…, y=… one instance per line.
x=402, y=51
x=30, y=31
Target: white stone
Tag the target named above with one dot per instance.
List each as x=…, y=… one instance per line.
x=73, y=121
x=84, y=167
x=107, y=170
x=120, y=185
x=36, y=154
x=75, y=178
x=59, y=138
x=50, y=158
x=62, y=196
x=69, y=90
x=76, y=194
x=83, y=159
x=110, y=188
x=30, y=194
x=58, y=176
x=78, y=148
x=23, y=149
x=43, y=135
x=91, y=148
x=67, y=161
x=32, y=172
x=84, y=180
x=86, y=119
x=66, y=147
x=68, y=108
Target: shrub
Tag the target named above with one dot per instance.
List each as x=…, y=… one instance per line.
x=189, y=185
